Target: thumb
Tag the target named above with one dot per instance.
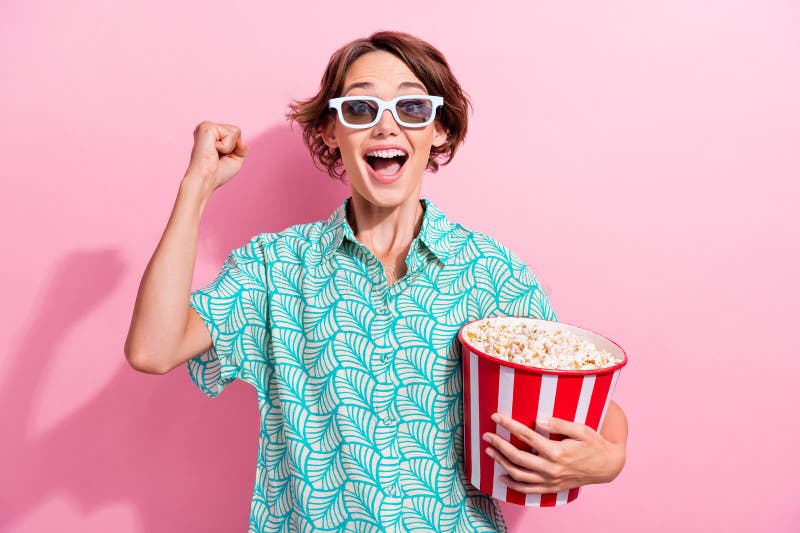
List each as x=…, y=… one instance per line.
x=240, y=149
x=227, y=138
x=226, y=145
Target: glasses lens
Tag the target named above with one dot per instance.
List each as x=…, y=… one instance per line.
x=359, y=111
x=414, y=110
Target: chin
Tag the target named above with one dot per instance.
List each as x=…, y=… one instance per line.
x=384, y=195
x=385, y=198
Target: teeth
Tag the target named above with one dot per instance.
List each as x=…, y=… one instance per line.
x=394, y=152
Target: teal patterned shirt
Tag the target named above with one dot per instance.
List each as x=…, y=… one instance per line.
x=359, y=382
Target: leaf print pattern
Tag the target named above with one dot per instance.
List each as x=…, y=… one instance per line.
x=359, y=382
x=234, y=309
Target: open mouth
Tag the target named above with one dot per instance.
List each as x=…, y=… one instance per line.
x=386, y=162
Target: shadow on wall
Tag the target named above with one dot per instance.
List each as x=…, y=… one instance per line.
x=184, y=461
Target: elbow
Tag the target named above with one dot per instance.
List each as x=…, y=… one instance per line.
x=144, y=363
x=618, y=463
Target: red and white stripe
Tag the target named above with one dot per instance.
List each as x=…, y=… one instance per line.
x=490, y=387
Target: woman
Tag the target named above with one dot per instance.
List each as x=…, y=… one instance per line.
x=346, y=327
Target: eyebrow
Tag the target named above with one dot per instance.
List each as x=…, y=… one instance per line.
x=369, y=85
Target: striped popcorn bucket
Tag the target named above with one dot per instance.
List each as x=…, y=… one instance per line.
x=526, y=393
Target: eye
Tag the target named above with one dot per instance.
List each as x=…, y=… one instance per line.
x=417, y=108
x=359, y=107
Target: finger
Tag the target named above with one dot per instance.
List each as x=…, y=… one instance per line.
x=559, y=426
x=529, y=488
x=522, y=458
x=206, y=137
x=513, y=470
x=527, y=435
x=227, y=137
x=241, y=148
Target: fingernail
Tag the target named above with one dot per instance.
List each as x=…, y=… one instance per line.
x=486, y=437
x=489, y=452
x=544, y=421
x=496, y=418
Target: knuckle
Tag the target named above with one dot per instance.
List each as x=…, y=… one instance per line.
x=528, y=436
x=557, y=454
x=517, y=456
x=556, y=472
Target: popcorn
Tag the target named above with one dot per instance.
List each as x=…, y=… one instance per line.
x=520, y=341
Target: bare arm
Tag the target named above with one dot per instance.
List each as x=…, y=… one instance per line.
x=165, y=331
x=615, y=425
x=163, y=334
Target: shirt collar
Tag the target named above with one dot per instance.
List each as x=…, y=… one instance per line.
x=434, y=233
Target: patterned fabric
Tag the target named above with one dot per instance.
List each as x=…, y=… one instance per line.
x=359, y=382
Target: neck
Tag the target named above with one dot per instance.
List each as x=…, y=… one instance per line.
x=386, y=231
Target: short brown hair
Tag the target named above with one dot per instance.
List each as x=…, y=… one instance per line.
x=428, y=65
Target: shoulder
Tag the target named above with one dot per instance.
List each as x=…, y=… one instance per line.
x=503, y=282
x=496, y=267
x=290, y=243
x=293, y=243
x=471, y=245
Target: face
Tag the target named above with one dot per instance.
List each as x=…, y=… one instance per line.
x=378, y=180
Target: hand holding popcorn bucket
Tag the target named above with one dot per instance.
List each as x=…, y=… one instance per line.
x=511, y=380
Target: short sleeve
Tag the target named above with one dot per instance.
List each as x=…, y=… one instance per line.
x=510, y=286
x=523, y=296
x=234, y=308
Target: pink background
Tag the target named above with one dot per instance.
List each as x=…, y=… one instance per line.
x=642, y=157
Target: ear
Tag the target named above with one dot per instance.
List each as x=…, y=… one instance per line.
x=328, y=133
x=439, y=134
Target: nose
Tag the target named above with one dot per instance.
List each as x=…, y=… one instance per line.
x=387, y=124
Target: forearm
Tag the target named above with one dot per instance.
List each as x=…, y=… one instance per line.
x=161, y=310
